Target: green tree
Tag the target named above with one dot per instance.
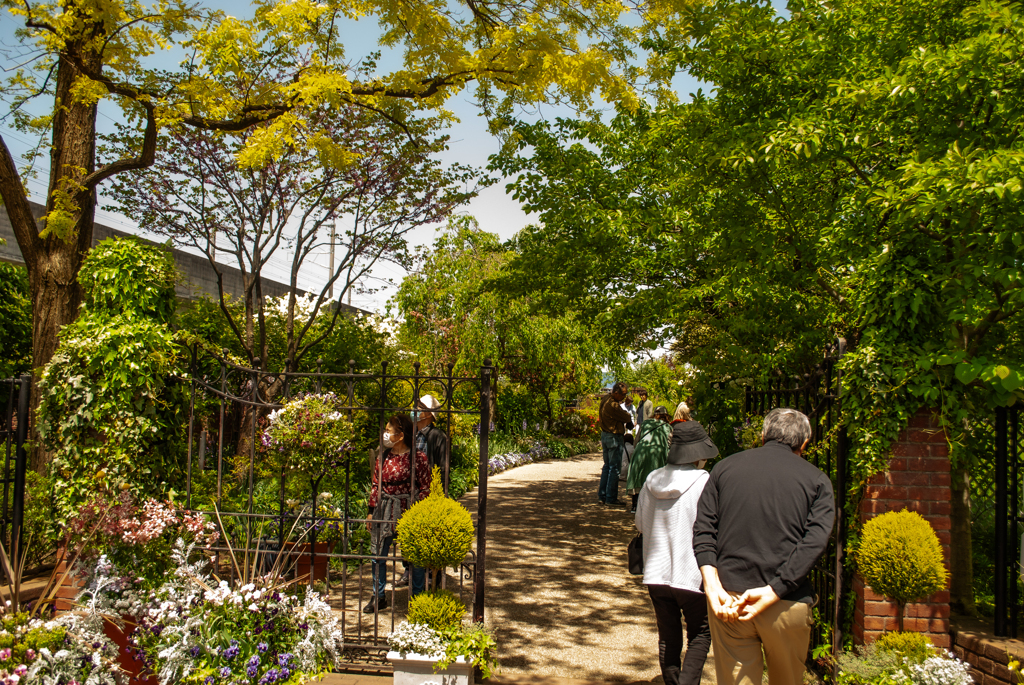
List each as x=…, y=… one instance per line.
x=856, y=175
x=451, y=315
x=15, y=321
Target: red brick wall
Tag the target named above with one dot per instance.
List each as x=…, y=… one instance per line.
x=918, y=480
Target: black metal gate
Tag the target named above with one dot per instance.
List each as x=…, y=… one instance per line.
x=818, y=395
x=14, y=413
x=227, y=407
x=1009, y=505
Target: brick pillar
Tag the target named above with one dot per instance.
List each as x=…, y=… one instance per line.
x=918, y=480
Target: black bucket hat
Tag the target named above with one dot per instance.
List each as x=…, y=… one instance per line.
x=690, y=443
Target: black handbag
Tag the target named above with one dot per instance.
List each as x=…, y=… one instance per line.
x=635, y=552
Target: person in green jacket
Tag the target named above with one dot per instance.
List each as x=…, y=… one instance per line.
x=651, y=451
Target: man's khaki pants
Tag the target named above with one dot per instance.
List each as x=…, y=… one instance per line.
x=783, y=630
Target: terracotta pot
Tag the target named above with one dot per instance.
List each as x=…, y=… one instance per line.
x=300, y=552
x=119, y=636
x=64, y=599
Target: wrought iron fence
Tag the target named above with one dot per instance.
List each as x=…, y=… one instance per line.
x=228, y=476
x=1009, y=522
x=818, y=395
x=14, y=420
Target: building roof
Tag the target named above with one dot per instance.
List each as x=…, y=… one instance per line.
x=198, y=279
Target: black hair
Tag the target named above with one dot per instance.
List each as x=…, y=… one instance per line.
x=404, y=423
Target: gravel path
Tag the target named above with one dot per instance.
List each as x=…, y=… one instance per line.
x=558, y=592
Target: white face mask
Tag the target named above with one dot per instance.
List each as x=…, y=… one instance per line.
x=388, y=440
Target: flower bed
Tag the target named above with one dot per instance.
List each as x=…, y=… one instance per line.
x=539, y=451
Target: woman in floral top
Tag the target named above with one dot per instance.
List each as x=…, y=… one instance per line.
x=390, y=495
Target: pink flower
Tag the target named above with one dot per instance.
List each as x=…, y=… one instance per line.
x=21, y=670
x=5, y=654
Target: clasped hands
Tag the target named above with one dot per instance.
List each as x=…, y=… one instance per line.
x=731, y=608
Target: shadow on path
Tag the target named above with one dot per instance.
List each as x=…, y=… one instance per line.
x=558, y=591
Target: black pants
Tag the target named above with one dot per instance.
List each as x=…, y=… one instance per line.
x=671, y=608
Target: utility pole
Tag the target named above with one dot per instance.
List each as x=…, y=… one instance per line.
x=330, y=274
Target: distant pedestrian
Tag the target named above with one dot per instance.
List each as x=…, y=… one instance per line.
x=430, y=439
x=665, y=514
x=763, y=521
x=644, y=408
x=614, y=422
x=651, y=451
x=682, y=413
x=627, y=404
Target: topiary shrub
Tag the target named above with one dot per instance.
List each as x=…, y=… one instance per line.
x=436, y=532
x=914, y=647
x=439, y=609
x=899, y=557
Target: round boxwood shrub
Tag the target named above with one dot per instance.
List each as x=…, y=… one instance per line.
x=915, y=647
x=899, y=557
x=439, y=609
x=436, y=532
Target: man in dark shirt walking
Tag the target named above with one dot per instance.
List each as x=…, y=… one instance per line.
x=763, y=521
x=614, y=421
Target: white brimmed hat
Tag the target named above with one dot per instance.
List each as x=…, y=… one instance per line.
x=430, y=403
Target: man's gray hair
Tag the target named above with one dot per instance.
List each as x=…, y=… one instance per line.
x=788, y=426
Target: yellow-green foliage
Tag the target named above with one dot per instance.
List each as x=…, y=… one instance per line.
x=436, y=532
x=915, y=647
x=439, y=609
x=899, y=557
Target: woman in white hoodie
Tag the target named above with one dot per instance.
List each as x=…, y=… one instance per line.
x=665, y=514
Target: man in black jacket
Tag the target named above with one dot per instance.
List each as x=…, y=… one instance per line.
x=763, y=521
x=429, y=438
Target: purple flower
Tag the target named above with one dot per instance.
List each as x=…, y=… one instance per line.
x=262, y=647
x=285, y=673
x=255, y=660
x=285, y=659
x=252, y=671
x=225, y=672
x=209, y=680
x=231, y=652
x=269, y=677
x=195, y=651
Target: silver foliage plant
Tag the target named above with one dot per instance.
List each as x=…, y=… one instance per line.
x=416, y=638
x=940, y=670
x=183, y=624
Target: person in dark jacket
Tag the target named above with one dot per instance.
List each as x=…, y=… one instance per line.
x=763, y=520
x=614, y=422
x=429, y=438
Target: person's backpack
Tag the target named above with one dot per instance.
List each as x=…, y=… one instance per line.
x=627, y=454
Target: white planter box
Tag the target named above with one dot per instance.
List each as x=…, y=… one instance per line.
x=417, y=669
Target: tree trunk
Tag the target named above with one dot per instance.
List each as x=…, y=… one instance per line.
x=961, y=586
x=53, y=262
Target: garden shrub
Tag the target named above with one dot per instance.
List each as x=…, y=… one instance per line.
x=571, y=425
x=558, y=449
x=109, y=405
x=439, y=609
x=914, y=647
x=435, y=532
x=899, y=557
x=870, y=666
